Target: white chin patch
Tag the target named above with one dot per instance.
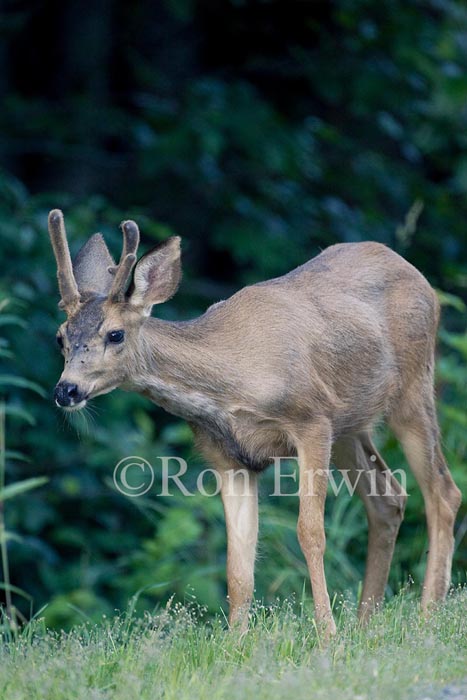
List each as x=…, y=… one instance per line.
x=74, y=407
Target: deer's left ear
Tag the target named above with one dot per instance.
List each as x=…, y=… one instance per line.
x=157, y=275
x=91, y=266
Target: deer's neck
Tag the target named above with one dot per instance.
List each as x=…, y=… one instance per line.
x=177, y=370
x=181, y=369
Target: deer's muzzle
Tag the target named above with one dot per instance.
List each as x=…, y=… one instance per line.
x=68, y=395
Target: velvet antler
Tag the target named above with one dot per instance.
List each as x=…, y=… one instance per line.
x=66, y=281
x=127, y=261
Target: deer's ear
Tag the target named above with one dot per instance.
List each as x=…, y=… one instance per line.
x=157, y=275
x=91, y=266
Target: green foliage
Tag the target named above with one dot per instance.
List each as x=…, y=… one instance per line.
x=10, y=491
x=315, y=123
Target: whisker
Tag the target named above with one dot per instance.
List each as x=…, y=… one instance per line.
x=92, y=410
x=79, y=421
x=89, y=414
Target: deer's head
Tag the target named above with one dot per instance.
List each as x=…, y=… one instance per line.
x=106, y=304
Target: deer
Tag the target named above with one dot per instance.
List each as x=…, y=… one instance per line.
x=303, y=365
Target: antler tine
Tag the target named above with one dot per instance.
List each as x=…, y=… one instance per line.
x=66, y=280
x=130, y=238
x=128, y=258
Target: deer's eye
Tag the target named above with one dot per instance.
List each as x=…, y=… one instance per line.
x=115, y=336
x=59, y=341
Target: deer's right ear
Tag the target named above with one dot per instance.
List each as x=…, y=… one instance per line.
x=157, y=275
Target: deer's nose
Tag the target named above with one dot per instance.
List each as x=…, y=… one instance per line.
x=66, y=394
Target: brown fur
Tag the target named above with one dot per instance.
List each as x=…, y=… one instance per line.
x=299, y=365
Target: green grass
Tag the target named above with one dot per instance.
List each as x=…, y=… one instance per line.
x=175, y=654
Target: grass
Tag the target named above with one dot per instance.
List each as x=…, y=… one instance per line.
x=174, y=654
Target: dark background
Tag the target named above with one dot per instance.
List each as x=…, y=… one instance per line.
x=260, y=132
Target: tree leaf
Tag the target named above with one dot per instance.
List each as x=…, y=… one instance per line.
x=21, y=413
x=13, y=490
x=12, y=320
x=22, y=383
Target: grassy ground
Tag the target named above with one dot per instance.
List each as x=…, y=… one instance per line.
x=174, y=654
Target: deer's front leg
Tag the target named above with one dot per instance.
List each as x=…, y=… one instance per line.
x=239, y=493
x=314, y=451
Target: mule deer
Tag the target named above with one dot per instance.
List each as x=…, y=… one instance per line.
x=302, y=365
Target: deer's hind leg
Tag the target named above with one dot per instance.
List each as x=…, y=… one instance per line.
x=416, y=427
x=384, y=500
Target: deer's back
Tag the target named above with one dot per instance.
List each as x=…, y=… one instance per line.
x=344, y=334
